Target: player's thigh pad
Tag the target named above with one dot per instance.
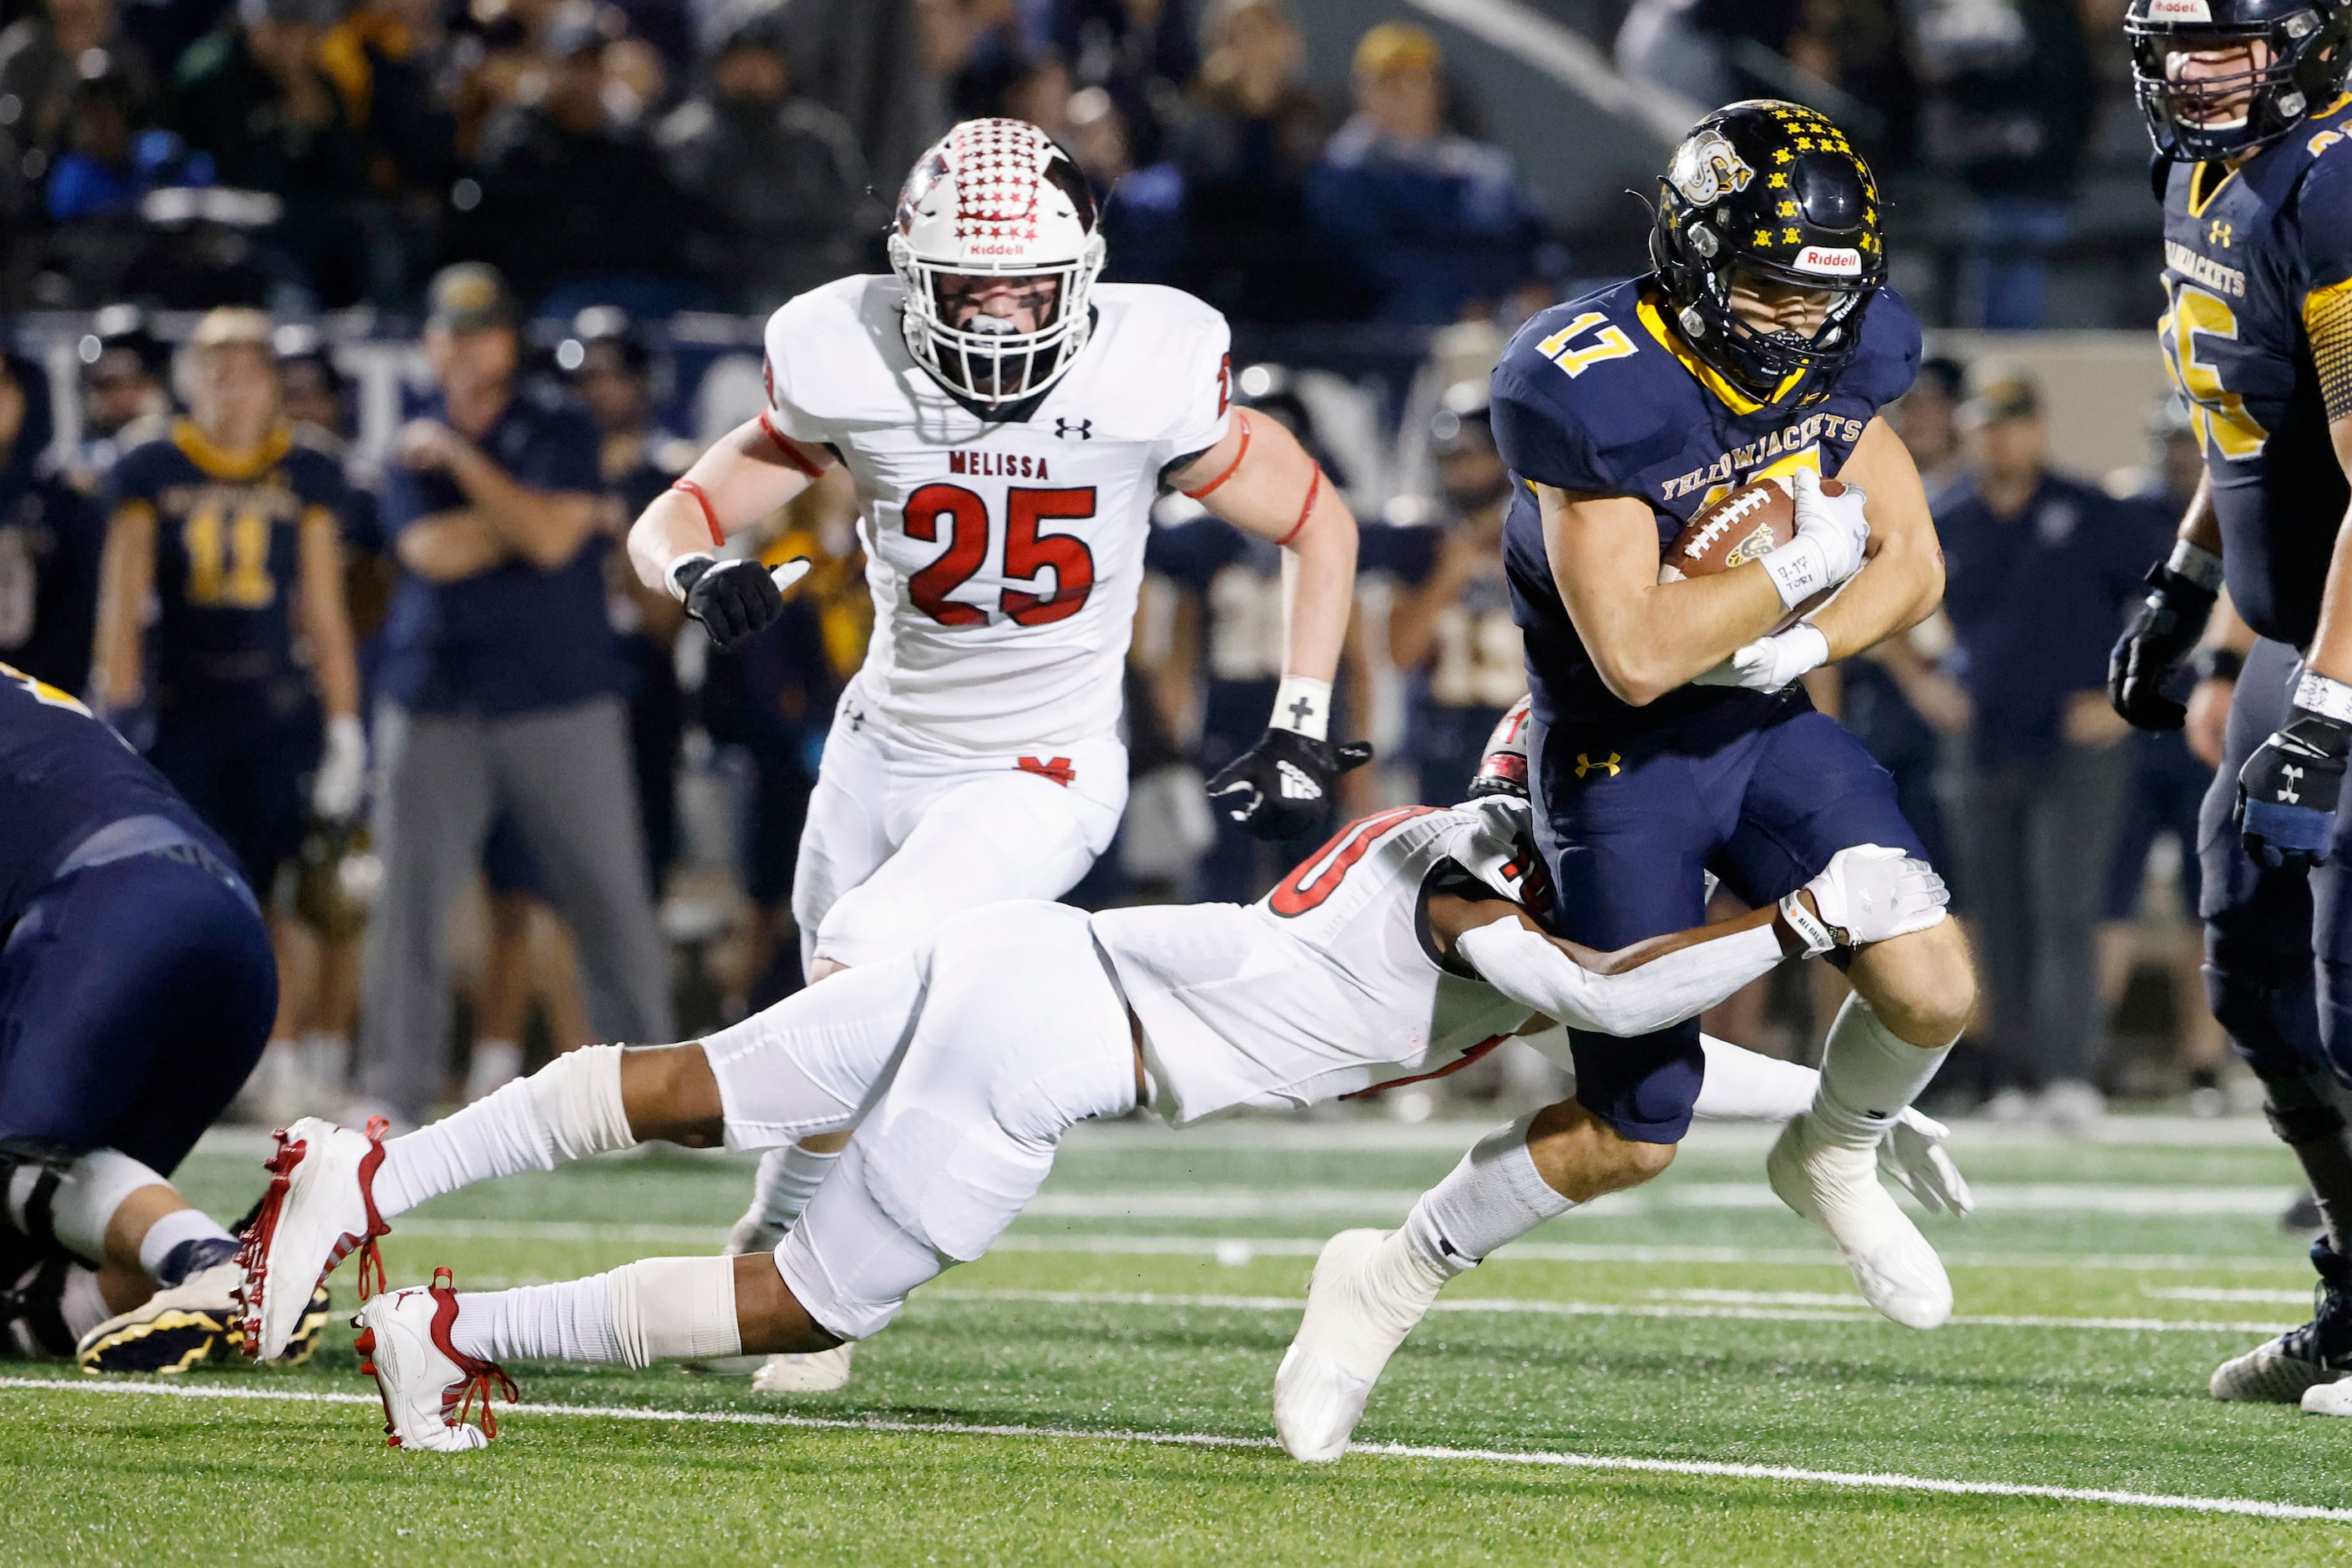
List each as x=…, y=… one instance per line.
x=987, y=836
x=845, y=836
x=1812, y=791
x=815, y=1060
x=1021, y=1036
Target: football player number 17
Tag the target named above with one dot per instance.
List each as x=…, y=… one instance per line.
x=963, y=516
x=1610, y=342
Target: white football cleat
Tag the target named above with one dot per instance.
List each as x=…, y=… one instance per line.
x=426, y=1385
x=815, y=1372
x=2327, y=1399
x=1364, y=1299
x=320, y=1208
x=1837, y=1188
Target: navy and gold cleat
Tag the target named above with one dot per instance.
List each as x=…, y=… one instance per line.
x=2315, y=1355
x=176, y=1329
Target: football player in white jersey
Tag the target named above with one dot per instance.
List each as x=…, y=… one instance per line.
x=1008, y=422
x=1396, y=949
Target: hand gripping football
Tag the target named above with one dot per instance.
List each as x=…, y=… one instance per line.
x=1757, y=517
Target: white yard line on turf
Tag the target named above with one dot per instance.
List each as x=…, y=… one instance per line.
x=1240, y=1249
x=1860, y=1314
x=1864, y=1481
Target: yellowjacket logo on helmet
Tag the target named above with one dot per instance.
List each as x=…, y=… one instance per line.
x=1705, y=167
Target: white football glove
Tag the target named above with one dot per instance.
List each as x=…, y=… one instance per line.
x=1867, y=893
x=342, y=770
x=1771, y=663
x=1503, y=835
x=1913, y=1154
x=1830, y=534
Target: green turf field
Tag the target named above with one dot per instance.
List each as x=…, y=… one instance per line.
x=1680, y=1375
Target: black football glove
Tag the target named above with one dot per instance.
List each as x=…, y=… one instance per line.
x=2287, y=791
x=734, y=600
x=1278, y=788
x=2162, y=630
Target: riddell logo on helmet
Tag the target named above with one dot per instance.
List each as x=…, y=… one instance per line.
x=2179, y=11
x=996, y=250
x=1830, y=261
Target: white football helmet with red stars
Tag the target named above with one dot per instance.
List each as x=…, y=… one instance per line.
x=996, y=198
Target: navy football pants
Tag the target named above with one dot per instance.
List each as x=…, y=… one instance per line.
x=135, y=997
x=1761, y=790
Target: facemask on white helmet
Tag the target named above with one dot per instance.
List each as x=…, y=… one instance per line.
x=996, y=243
x=1501, y=850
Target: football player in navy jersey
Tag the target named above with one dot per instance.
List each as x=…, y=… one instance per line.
x=2245, y=101
x=136, y=992
x=1671, y=738
x=233, y=524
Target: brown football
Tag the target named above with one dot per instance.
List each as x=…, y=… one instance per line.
x=1738, y=529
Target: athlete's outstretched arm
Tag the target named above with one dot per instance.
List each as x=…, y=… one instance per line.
x=1260, y=479
x=750, y=473
x=1903, y=582
x=1645, y=638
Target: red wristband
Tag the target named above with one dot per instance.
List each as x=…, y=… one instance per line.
x=1313, y=488
x=718, y=535
x=791, y=449
x=1232, y=467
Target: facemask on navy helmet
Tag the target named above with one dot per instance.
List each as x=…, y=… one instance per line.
x=2291, y=61
x=1773, y=192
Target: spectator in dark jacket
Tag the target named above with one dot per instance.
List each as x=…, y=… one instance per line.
x=44, y=57
x=1435, y=222
x=777, y=178
x=566, y=194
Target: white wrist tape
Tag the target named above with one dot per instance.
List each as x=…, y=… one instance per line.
x=675, y=1309
x=1748, y=1085
x=1303, y=706
x=2196, y=563
x=670, y=573
x=2314, y=693
x=1524, y=966
x=1806, y=650
x=1810, y=929
x=1798, y=570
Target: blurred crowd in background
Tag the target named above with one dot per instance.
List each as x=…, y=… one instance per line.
x=635, y=171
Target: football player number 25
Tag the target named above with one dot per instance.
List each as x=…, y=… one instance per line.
x=962, y=516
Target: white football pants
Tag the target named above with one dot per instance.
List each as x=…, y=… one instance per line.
x=899, y=840
x=961, y=1064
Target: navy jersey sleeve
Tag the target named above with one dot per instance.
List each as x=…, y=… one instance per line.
x=1888, y=362
x=319, y=481
x=133, y=477
x=1535, y=430
x=2325, y=211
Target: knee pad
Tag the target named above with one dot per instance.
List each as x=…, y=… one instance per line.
x=2300, y=1109
x=32, y=1169
x=2274, y=1024
x=675, y=1309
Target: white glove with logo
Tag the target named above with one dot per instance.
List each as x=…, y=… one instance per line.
x=342, y=770
x=1830, y=534
x=1913, y=1154
x=1867, y=893
x=1771, y=663
x=1504, y=835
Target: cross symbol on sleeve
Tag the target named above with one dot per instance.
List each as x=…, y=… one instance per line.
x=1302, y=710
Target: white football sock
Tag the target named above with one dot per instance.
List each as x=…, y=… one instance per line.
x=788, y=1178
x=568, y=1322
x=83, y=1305
x=94, y=1185
x=1494, y=1195
x=168, y=1235
x=1868, y=1075
x=675, y=1308
x=1742, y=1083
x=568, y=1109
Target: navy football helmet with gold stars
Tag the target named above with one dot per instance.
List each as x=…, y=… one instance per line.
x=1774, y=190
x=2296, y=59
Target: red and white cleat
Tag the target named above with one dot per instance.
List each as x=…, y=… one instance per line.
x=427, y=1386
x=320, y=1208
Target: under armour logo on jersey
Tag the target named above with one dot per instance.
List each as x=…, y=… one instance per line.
x=2217, y=232
x=1585, y=764
x=1296, y=784
x=2292, y=776
x=1083, y=428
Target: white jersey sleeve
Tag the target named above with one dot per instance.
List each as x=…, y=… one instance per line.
x=1324, y=986
x=1005, y=554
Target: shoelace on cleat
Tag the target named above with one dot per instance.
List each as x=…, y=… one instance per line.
x=253, y=1253
x=458, y=1402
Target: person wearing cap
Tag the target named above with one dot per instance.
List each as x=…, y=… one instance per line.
x=2040, y=568
x=500, y=692
x=1434, y=222
x=1451, y=635
x=234, y=526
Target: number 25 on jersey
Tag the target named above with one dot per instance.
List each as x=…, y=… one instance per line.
x=1027, y=553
